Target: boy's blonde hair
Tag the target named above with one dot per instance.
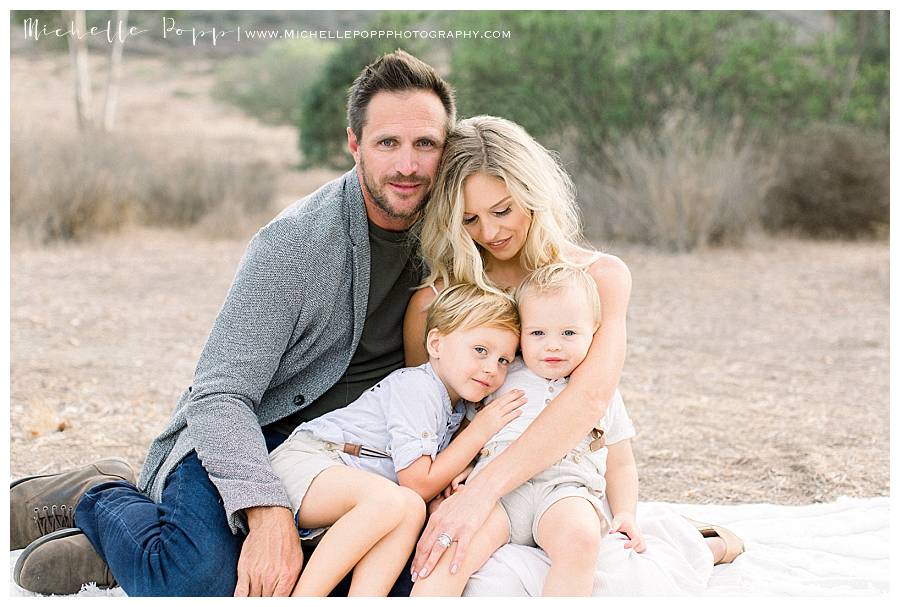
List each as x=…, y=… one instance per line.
x=555, y=277
x=534, y=177
x=465, y=305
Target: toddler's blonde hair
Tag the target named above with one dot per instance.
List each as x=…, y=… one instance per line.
x=556, y=277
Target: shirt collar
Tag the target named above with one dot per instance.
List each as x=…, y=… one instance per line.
x=445, y=396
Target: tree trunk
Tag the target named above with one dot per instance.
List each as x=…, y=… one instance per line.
x=860, y=42
x=115, y=72
x=80, y=68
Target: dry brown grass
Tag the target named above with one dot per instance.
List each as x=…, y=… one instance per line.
x=753, y=375
x=67, y=185
x=681, y=188
x=179, y=155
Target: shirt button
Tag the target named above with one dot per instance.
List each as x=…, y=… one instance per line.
x=550, y=389
x=547, y=401
x=424, y=435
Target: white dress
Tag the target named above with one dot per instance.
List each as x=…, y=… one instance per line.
x=676, y=562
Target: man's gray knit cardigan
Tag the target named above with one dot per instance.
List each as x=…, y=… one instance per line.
x=285, y=334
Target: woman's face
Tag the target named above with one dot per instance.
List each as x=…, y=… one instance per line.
x=492, y=218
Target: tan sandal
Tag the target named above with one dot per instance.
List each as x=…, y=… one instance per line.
x=734, y=545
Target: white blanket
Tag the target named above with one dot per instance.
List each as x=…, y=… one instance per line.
x=836, y=549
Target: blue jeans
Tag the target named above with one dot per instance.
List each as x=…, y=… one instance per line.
x=181, y=546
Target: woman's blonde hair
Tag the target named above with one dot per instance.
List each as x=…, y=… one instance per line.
x=535, y=180
x=556, y=277
x=464, y=306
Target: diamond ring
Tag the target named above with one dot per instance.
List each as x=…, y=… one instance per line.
x=444, y=540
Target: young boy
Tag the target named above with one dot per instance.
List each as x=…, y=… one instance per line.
x=560, y=508
x=341, y=470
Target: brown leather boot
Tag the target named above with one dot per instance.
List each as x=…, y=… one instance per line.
x=61, y=563
x=42, y=504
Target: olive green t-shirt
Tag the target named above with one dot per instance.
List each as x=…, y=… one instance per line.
x=394, y=272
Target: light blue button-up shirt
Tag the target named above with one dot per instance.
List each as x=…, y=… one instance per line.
x=408, y=414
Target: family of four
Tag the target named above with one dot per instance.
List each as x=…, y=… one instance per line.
x=423, y=342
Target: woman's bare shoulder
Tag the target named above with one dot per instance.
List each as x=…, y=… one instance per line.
x=423, y=297
x=602, y=266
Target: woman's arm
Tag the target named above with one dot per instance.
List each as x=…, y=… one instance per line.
x=414, y=327
x=565, y=421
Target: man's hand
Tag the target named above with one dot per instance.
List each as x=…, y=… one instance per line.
x=271, y=558
x=459, y=516
x=625, y=523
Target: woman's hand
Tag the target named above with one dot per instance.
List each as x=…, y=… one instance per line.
x=499, y=412
x=459, y=516
x=626, y=523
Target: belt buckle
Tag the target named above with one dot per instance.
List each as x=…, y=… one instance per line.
x=599, y=439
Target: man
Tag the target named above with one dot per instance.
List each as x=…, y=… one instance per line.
x=312, y=319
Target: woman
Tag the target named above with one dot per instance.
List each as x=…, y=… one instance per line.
x=501, y=208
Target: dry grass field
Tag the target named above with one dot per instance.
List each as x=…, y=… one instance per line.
x=757, y=374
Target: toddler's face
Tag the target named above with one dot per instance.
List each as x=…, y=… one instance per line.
x=557, y=330
x=473, y=362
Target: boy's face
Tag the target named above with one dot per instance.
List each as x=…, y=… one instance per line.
x=472, y=362
x=557, y=330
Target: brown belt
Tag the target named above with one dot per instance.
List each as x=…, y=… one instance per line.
x=356, y=450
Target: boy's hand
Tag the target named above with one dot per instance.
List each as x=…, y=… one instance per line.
x=625, y=523
x=456, y=484
x=434, y=503
x=499, y=412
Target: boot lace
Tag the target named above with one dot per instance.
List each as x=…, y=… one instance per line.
x=51, y=518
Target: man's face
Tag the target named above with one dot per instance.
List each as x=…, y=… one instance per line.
x=398, y=155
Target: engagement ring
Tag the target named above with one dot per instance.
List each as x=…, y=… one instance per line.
x=444, y=540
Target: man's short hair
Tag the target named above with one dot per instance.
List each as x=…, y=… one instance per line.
x=464, y=306
x=394, y=72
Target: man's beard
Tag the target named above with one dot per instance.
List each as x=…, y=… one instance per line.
x=379, y=196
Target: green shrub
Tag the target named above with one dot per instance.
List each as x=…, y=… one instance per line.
x=832, y=181
x=270, y=86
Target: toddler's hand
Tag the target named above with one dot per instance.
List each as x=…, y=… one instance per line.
x=625, y=523
x=499, y=412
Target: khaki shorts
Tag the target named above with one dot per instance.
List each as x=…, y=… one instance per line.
x=297, y=461
x=576, y=475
